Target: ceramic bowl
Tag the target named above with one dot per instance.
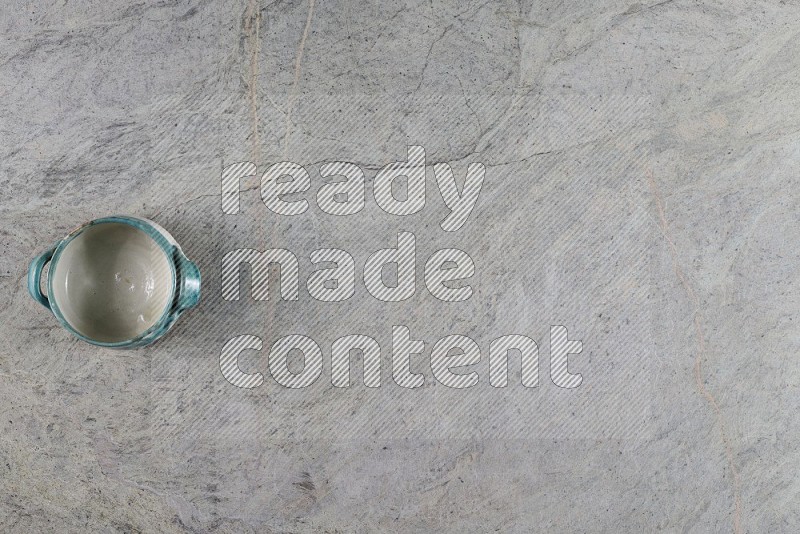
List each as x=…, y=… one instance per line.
x=117, y=282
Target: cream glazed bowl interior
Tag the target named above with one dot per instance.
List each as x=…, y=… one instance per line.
x=117, y=282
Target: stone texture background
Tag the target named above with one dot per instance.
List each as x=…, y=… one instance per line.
x=641, y=189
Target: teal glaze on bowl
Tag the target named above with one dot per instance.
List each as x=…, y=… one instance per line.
x=150, y=308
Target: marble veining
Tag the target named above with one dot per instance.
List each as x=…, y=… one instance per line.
x=641, y=187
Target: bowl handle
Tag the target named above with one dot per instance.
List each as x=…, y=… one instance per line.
x=189, y=292
x=35, y=277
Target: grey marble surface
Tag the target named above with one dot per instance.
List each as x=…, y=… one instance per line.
x=641, y=189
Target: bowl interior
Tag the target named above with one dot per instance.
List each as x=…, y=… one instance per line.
x=112, y=282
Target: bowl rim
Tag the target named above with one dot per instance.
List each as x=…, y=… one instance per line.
x=168, y=246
